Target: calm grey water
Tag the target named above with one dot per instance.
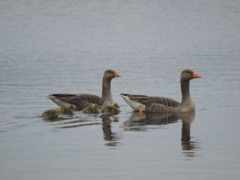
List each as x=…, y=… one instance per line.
x=63, y=46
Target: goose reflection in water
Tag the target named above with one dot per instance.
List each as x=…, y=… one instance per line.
x=188, y=146
x=112, y=138
x=138, y=122
x=70, y=122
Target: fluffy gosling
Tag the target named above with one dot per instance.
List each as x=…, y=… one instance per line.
x=114, y=108
x=53, y=113
x=94, y=109
x=66, y=110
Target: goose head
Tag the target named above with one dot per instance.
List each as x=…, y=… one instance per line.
x=110, y=74
x=189, y=74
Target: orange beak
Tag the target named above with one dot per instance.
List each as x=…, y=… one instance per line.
x=196, y=75
x=117, y=75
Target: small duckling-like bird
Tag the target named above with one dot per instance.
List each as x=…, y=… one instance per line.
x=53, y=113
x=94, y=109
x=70, y=109
x=114, y=108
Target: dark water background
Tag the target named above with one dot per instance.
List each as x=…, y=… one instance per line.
x=63, y=46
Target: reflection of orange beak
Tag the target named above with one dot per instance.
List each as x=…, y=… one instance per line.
x=196, y=75
x=117, y=75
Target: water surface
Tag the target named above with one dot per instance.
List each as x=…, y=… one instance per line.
x=64, y=47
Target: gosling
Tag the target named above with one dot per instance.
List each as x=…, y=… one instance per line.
x=114, y=109
x=66, y=110
x=53, y=113
x=93, y=109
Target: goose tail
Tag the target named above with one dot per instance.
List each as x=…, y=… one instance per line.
x=54, y=98
x=133, y=104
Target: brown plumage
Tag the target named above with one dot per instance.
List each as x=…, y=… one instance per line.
x=161, y=104
x=80, y=101
x=152, y=99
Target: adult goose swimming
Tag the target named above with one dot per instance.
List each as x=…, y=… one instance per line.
x=81, y=101
x=158, y=104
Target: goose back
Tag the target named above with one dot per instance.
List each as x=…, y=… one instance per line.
x=145, y=100
x=80, y=101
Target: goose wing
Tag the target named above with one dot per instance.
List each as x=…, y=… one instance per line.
x=80, y=101
x=145, y=100
x=159, y=108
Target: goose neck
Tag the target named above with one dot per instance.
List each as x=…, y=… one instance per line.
x=185, y=90
x=106, y=89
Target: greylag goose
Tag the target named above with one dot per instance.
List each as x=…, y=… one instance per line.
x=161, y=104
x=81, y=101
